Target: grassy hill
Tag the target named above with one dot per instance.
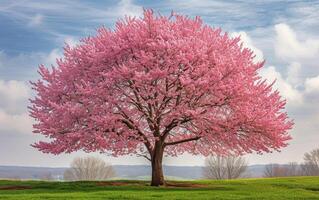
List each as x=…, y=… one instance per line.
x=271, y=188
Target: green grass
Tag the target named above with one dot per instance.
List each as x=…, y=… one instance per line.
x=272, y=188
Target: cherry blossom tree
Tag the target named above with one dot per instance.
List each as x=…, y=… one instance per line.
x=158, y=85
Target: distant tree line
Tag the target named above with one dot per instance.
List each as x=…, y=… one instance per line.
x=309, y=167
x=232, y=167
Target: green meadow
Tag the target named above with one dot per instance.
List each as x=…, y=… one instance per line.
x=261, y=188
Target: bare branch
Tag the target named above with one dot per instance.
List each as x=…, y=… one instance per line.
x=182, y=141
x=144, y=156
x=89, y=168
x=228, y=167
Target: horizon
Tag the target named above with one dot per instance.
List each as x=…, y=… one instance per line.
x=286, y=36
x=62, y=167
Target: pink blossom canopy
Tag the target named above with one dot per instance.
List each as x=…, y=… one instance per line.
x=154, y=78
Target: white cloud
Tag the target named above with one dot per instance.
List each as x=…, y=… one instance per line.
x=302, y=54
x=13, y=107
x=287, y=86
x=15, y=93
x=24, y=65
x=17, y=123
x=71, y=41
x=50, y=59
x=312, y=85
x=247, y=42
x=36, y=20
x=293, y=96
x=288, y=46
x=13, y=90
x=14, y=96
x=293, y=77
x=127, y=7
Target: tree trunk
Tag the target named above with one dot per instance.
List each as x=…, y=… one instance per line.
x=157, y=168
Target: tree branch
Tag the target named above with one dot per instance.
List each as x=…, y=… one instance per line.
x=146, y=141
x=144, y=156
x=173, y=124
x=182, y=141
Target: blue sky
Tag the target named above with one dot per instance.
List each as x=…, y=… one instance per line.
x=284, y=33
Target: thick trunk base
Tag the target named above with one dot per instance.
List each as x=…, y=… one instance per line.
x=157, y=177
x=157, y=169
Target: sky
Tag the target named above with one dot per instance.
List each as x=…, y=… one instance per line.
x=284, y=33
